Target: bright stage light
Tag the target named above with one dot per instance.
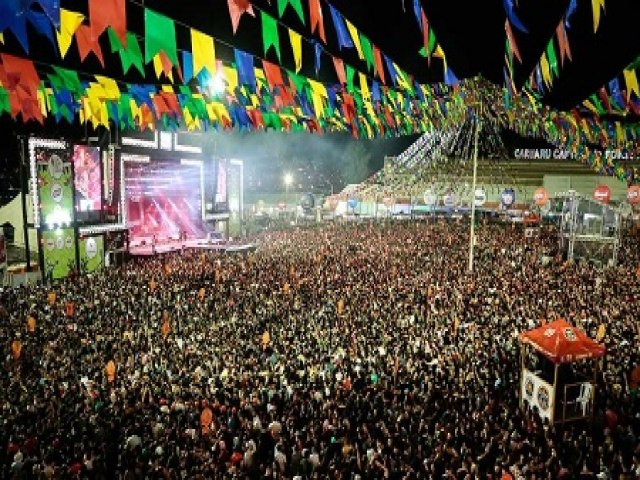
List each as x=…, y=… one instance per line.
x=216, y=85
x=288, y=179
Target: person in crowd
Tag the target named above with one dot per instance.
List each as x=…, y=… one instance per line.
x=343, y=351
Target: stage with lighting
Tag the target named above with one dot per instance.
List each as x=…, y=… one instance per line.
x=90, y=204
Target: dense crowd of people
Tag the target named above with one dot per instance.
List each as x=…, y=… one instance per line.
x=346, y=351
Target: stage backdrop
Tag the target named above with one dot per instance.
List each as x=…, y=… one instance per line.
x=91, y=254
x=59, y=253
x=55, y=186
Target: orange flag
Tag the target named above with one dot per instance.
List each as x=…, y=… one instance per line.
x=16, y=349
x=286, y=287
x=266, y=338
x=51, y=297
x=201, y=294
x=317, y=22
x=31, y=324
x=110, y=370
x=236, y=9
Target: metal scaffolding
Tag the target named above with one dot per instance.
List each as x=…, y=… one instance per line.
x=589, y=230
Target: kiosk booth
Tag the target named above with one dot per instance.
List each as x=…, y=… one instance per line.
x=559, y=365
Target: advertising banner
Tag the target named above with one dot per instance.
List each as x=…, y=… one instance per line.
x=91, y=254
x=55, y=186
x=59, y=252
x=538, y=394
x=86, y=165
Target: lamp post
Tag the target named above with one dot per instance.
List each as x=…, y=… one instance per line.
x=288, y=180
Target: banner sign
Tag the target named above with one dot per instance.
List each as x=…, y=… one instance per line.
x=565, y=154
x=430, y=198
x=540, y=196
x=59, y=252
x=508, y=197
x=55, y=186
x=449, y=200
x=602, y=193
x=91, y=254
x=633, y=195
x=86, y=177
x=538, y=393
x=480, y=197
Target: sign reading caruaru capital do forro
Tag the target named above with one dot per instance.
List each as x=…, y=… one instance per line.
x=564, y=154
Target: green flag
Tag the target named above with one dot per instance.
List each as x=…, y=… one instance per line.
x=367, y=51
x=297, y=6
x=270, y=36
x=351, y=73
x=160, y=35
x=432, y=42
x=131, y=55
x=66, y=79
x=553, y=61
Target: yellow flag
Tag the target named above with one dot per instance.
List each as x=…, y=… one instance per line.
x=69, y=23
x=439, y=53
x=158, y=68
x=590, y=106
x=1, y=37
x=631, y=80
x=596, y=6
x=296, y=46
x=364, y=87
x=231, y=76
x=544, y=66
x=110, y=86
x=353, y=31
x=204, y=52
x=318, y=93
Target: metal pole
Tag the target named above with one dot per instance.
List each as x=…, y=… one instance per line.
x=24, y=185
x=473, y=190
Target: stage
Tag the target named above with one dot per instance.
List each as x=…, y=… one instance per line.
x=143, y=246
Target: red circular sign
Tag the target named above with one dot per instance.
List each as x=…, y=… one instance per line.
x=633, y=195
x=602, y=193
x=540, y=196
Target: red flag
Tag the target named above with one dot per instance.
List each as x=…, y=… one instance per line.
x=512, y=41
x=563, y=42
x=317, y=22
x=425, y=32
x=378, y=58
x=273, y=74
x=87, y=44
x=339, y=66
x=108, y=13
x=602, y=93
x=21, y=80
x=236, y=9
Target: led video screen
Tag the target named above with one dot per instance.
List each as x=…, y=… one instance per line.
x=164, y=199
x=87, y=178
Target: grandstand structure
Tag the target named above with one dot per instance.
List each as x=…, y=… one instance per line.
x=441, y=161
